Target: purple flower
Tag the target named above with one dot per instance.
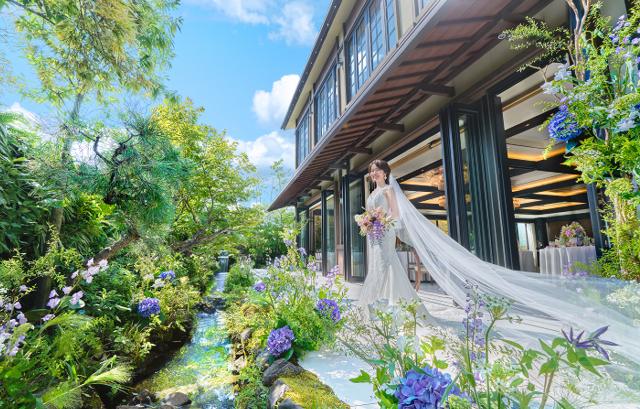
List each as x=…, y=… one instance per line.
x=17, y=305
x=563, y=126
x=329, y=308
x=288, y=242
x=594, y=337
x=148, y=307
x=22, y=319
x=23, y=288
x=279, y=340
x=302, y=251
x=53, y=302
x=67, y=290
x=48, y=317
x=53, y=293
x=75, y=274
x=168, y=275
x=75, y=298
x=259, y=286
x=424, y=389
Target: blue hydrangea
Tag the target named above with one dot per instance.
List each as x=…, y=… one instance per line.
x=329, y=308
x=424, y=389
x=168, y=275
x=280, y=340
x=563, y=126
x=259, y=286
x=149, y=307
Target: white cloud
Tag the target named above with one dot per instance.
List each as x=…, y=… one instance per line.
x=245, y=11
x=271, y=106
x=295, y=24
x=266, y=149
x=29, y=121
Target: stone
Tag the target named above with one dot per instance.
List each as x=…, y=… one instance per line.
x=246, y=335
x=165, y=406
x=276, y=393
x=279, y=368
x=144, y=396
x=289, y=404
x=177, y=399
x=262, y=359
x=240, y=363
x=129, y=406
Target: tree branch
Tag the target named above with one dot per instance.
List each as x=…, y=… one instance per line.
x=32, y=11
x=108, y=252
x=186, y=246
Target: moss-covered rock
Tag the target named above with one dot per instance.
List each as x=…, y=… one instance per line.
x=308, y=392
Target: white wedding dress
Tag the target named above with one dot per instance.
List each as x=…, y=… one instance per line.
x=386, y=280
x=545, y=302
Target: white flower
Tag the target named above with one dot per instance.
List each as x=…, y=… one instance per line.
x=148, y=277
x=158, y=283
x=625, y=124
x=550, y=89
x=103, y=264
x=563, y=73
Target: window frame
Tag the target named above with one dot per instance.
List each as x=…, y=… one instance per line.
x=305, y=116
x=326, y=109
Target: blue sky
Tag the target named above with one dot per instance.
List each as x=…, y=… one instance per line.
x=239, y=59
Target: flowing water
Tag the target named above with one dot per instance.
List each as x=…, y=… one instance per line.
x=200, y=367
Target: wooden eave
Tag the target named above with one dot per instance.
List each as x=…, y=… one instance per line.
x=447, y=39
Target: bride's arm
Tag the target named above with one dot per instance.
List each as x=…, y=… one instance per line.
x=393, y=203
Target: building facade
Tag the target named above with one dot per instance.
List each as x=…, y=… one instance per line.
x=431, y=87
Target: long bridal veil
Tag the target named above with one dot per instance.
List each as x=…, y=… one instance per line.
x=548, y=303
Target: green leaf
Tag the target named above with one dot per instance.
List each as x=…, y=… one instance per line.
x=513, y=344
x=548, y=367
x=364, y=377
x=550, y=351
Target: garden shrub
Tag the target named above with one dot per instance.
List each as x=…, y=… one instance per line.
x=239, y=278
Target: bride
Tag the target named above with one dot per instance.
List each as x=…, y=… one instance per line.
x=548, y=303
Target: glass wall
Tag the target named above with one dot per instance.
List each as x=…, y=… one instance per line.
x=357, y=270
x=464, y=126
x=315, y=231
x=329, y=232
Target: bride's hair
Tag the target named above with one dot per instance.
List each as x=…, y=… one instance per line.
x=381, y=164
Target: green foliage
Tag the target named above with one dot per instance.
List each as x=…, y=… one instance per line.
x=307, y=389
x=252, y=394
x=239, y=279
x=264, y=243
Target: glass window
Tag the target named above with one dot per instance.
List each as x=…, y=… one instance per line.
x=315, y=229
x=378, y=48
x=326, y=102
x=362, y=52
x=302, y=138
x=463, y=124
x=330, y=237
x=374, y=35
x=420, y=4
x=356, y=201
x=392, y=37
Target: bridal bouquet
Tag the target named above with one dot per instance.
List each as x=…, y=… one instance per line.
x=374, y=223
x=573, y=235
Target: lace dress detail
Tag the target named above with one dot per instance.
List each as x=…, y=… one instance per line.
x=386, y=278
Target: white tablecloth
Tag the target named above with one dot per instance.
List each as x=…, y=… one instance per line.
x=526, y=261
x=554, y=259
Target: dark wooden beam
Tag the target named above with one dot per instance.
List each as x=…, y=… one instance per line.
x=437, y=89
x=428, y=206
x=538, y=196
x=325, y=178
x=550, y=186
x=389, y=127
x=357, y=149
x=554, y=164
x=428, y=196
x=555, y=199
x=557, y=210
x=418, y=188
x=339, y=165
x=425, y=60
x=528, y=124
x=420, y=171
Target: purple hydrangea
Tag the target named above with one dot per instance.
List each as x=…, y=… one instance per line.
x=279, y=340
x=302, y=251
x=563, y=126
x=288, y=242
x=259, y=286
x=76, y=297
x=424, y=389
x=329, y=308
x=168, y=275
x=149, y=307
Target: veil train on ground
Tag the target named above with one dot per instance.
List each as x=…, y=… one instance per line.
x=550, y=303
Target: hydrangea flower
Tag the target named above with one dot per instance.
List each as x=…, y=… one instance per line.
x=53, y=302
x=280, y=340
x=424, y=389
x=168, y=275
x=302, y=251
x=75, y=298
x=288, y=242
x=329, y=308
x=148, y=307
x=259, y=286
x=563, y=126
x=67, y=290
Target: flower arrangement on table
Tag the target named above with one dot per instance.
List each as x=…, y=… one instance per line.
x=374, y=224
x=573, y=235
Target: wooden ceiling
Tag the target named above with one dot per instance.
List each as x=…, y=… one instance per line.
x=445, y=41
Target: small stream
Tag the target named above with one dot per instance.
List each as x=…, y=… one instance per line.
x=200, y=367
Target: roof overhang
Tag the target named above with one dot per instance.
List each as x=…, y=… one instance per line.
x=448, y=38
